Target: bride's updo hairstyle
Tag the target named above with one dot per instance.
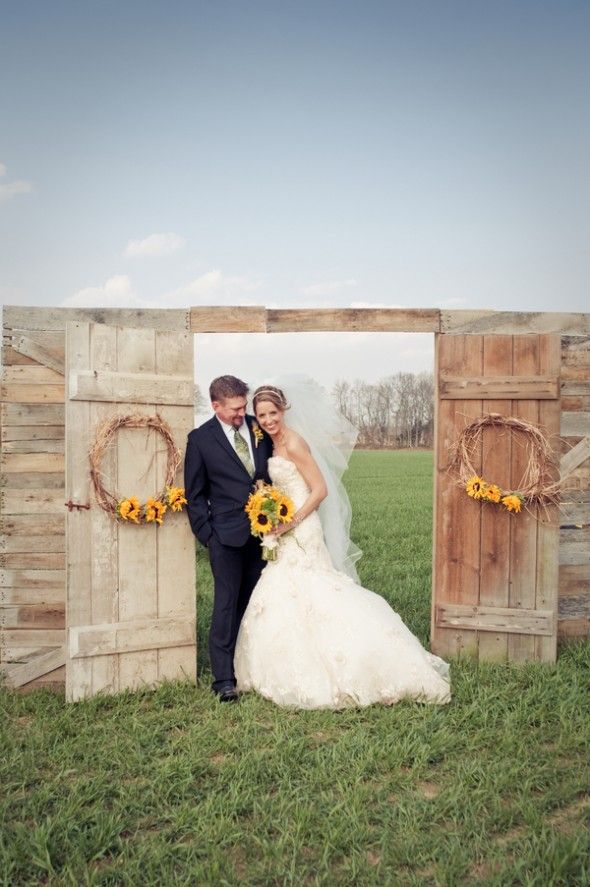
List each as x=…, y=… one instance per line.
x=271, y=394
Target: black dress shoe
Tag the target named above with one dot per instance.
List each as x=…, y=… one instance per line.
x=227, y=693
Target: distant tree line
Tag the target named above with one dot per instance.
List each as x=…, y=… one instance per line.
x=397, y=411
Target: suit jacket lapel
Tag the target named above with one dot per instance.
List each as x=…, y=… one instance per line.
x=222, y=438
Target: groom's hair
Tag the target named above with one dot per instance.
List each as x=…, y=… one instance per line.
x=227, y=386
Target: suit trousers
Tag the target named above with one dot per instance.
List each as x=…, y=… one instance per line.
x=235, y=573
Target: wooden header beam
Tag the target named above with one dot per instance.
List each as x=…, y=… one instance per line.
x=258, y=319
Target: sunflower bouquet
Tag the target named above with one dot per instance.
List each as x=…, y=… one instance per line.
x=268, y=508
x=480, y=490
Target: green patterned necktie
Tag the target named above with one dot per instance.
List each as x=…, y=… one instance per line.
x=243, y=452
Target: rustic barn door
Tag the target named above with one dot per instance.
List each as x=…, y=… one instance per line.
x=495, y=576
x=130, y=606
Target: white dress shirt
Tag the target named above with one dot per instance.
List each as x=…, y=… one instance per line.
x=244, y=432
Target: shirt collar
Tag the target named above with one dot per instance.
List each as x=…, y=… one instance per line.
x=229, y=429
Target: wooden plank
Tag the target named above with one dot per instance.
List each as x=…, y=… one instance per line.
x=495, y=525
x=176, y=588
x=31, y=463
x=17, y=317
x=137, y=552
x=32, y=414
x=32, y=502
x=214, y=319
x=128, y=637
x=575, y=424
x=412, y=320
x=574, y=546
x=500, y=388
x=459, y=322
x=103, y=529
x=27, y=543
x=20, y=481
x=32, y=432
x=32, y=578
x=457, y=527
x=576, y=388
x=32, y=560
x=32, y=637
x=16, y=393
x=504, y=620
x=523, y=531
x=18, y=675
x=30, y=348
x=40, y=616
x=34, y=524
x=31, y=375
x=574, y=580
x=575, y=402
x=51, y=596
x=574, y=628
x=137, y=388
x=547, y=578
x=10, y=357
x=33, y=446
x=79, y=522
x=575, y=457
x=575, y=509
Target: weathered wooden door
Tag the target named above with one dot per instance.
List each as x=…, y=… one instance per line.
x=495, y=576
x=130, y=605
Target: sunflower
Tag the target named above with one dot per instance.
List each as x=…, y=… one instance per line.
x=254, y=503
x=512, y=502
x=175, y=497
x=129, y=509
x=476, y=487
x=286, y=510
x=261, y=522
x=492, y=493
x=154, y=511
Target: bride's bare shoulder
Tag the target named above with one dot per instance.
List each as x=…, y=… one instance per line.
x=296, y=445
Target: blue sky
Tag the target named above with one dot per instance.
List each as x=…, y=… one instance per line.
x=419, y=154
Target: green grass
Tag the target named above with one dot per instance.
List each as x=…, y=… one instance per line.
x=169, y=787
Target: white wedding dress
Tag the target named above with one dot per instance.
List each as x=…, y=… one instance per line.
x=312, y=638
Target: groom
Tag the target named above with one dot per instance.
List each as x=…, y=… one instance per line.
x=224, y=458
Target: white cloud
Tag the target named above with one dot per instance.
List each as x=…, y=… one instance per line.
x=117, y=292
x=328, y=287
x=214, y=287
x=154, y=245
x=12, y=189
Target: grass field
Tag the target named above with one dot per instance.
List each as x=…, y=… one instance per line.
x=168, y=787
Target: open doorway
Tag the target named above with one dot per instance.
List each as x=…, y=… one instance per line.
x=382, y=382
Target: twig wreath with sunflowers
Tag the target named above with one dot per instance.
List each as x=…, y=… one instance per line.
x=536, y=487
x=129, y=508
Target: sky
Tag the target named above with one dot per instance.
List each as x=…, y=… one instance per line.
x=296, y=154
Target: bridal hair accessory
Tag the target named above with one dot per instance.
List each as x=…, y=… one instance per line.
x=267, y=508
x=129, y=508
x=536, y=487
x=276, y=394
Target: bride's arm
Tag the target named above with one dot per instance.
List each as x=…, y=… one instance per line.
x=298, y=452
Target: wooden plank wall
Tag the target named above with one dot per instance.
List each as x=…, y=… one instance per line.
x=574, y=547
x=32, y=590
x=32, y=540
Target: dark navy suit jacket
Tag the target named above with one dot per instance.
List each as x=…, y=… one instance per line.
x=217, y=484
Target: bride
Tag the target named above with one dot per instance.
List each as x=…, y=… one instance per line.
x=311, y=636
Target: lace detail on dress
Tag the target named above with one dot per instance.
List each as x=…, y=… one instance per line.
x=312, y=638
